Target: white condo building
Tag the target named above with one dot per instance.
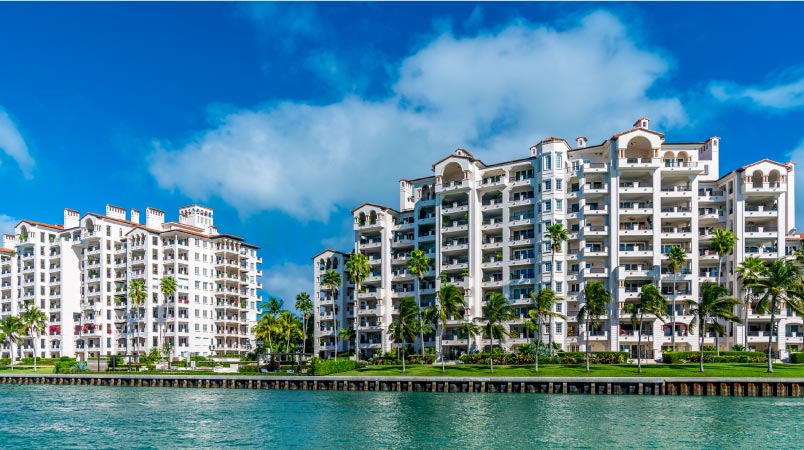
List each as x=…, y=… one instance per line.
x=78, y=274
x=625, y=202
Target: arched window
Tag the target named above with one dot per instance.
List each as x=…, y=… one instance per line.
x=756, y=179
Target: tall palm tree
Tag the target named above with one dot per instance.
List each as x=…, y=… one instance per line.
x=676, y=260
x=750, y=271
x=332, y=281
x=304, y=305
x=359, y=270
x=404, y=327
x=347, y=334
x=650, y=301
x=264, y=330
x=288, y=328
x=468, y=330
x=496, y=311
x=137, y=292
x=557, y=235
x=34, y=322
x=543, y=311
x=273, y=307
x=449, y=304
x=11, y=330
x=597, y=300
x=723, y=241
x=782, y=283
x=167, y=285
x=713, y=307
x=418, y=265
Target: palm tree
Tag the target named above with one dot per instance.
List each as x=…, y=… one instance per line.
x=347, y=334
x=597, y=299
x=713, y=307
x=676, y=260
x=449, y=304
x=288, y=328
x=11, y=330
x=264, y=330
x=497, y=310
x=332, y=281
x=557, y=235
x=650, y=301
x=168, y=287
x=404, y=328
x=543, y=310
x=359, y=270
x=34, y=322
x=273, y=307
x=468, y=330
x=418, y=265
x=723, y=244
x=137, y=293
x=782, y=283
x=750, y=271
x=304, y=305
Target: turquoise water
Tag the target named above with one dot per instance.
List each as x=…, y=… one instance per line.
x=33, y=416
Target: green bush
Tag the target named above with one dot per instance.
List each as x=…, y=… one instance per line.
x=65, y=365
x=198, y=358
x=797, y=358
x=5, y=361
x=331, y=366
x=520, y=359
x=712, y=357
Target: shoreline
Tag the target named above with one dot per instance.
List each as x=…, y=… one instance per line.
x=665, y=386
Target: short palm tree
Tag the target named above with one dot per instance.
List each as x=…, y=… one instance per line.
x=264, y=330
x=137, y=292
x=713, y=307
x=288, y=328
x=359, y=269
x=347, y=334
x=273, y=307
x=167, y=285
x=676, y=260
x=304, y=305
x=34, y=322
x=750, y=271
x=468, y=330
x=496, y=311
x=782, y=283
x=723, y=242
x=418, y=265
x=404, y=327
x=650, y=301
x=597, y=299
x=557, y=235
x=332, y=281
x=11, y=330
x=449, y=305
x=543, y=310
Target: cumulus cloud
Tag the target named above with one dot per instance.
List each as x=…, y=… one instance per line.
x=13, y=145
x=781, y=95
x=7, y=224
x=494, y=93
x=287, y=280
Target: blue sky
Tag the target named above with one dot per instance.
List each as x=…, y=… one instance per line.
x=283, y=117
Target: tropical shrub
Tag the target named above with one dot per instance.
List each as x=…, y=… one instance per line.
x=797, y=358
x=738, y=348
x=712, y=357
x=331, y=366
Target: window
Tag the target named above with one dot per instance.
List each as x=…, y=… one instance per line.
x=576, y=165
x=197, y=326
x=559, y=183
x=559, y=204
x=548, y=185
x=547, y=206
x=558, y=265
x=548, y=267
x=559, y=327
x=197, y=270
x=197, y=256
x=198, y=285
x=548, y=162
x=559, y=287
x=558, y=160
x=559, y=307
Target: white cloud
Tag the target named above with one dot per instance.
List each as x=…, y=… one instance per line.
x=779, y=96
x=13, y=145
x=495, y=93
x=283, y=22
x=287, y=280
x=7, y=224
x=797, y=156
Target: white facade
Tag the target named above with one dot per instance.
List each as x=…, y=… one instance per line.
x=625, y=203
x=78, y=274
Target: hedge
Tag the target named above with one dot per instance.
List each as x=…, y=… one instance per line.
x=712, y=357
x=520, y=359
x=331, y=366
x=797, y=358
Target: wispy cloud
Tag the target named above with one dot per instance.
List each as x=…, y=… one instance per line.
x=286, y=280
x=283, y=22
x=785, y=93
x=13, y=145
x=7, y=224
x=495, y=93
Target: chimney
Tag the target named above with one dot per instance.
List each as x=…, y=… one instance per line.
x=581, y=140
x=71, y=218
x=9, y=241
x=154, y=218
x=642, y=122
x=115, y=212
x=135, y=215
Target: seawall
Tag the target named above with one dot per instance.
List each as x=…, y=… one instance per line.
x=737, y=387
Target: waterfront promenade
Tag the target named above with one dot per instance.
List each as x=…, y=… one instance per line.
x=737, y=387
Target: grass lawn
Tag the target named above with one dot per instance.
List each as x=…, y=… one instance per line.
x=603, y=370
x=29, y=369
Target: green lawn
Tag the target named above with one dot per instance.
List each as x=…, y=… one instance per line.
x=603, y=370
x=28, y=369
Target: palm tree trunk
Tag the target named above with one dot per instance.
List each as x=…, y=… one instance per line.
x=357, y=333
x=403, y=355
x=639, y=342
x=11, y=347
x=441, y=350
x=419, y=305
x=770, y=336
x=304, y=331
x=745, y=320
x=491, y=355
x=537, y=335
x=335, y=321
x=673, y=328
x=703, y=332
x=33, y=341
x=588, y=350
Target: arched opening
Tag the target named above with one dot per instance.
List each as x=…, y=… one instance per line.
x=639, y=148
x=426, y=193
x=334, y=263
x=373, y=217
x=452, y=172
x=774, y=178
x=683, y=157
x=756, y=179
x=329, y=264
x=361, y=219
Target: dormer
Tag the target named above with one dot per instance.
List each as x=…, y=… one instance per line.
x=580, y=141
x=642, y=122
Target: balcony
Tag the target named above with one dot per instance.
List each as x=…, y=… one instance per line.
x=595, y=230
x=492, y=242
x=677, y=232
x=631, y=187
x=450, y=186
x=635, y=209
x=454, y=207
x=761, y=232
x=638, y=163
x=492, y=223
x=591, y=167
x=709, y=195
x=491, y=182
x=676, y=212
x=761, y=211
x=764, y=188
x=683, y=166
x=595, y=272
x=491, y=205
x=710, y=214
x=592, y=210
